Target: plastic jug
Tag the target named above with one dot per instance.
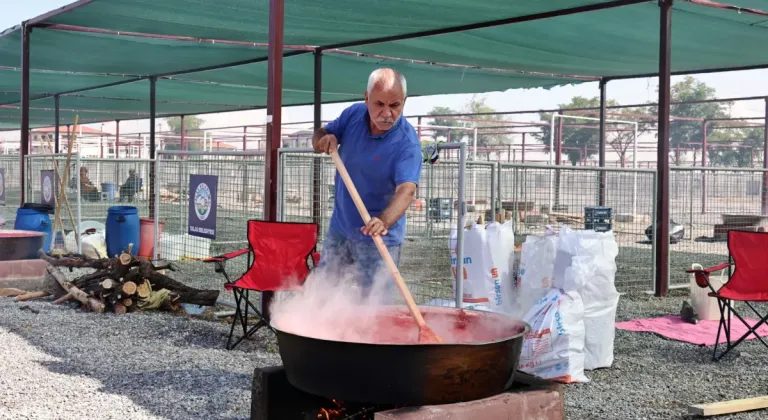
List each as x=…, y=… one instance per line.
x=705, y=306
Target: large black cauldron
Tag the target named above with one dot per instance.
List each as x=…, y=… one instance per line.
x=408, y=374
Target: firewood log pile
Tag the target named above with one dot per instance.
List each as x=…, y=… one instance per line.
x=123, y=284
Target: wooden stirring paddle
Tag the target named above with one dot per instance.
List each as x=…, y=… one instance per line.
x=426, y=334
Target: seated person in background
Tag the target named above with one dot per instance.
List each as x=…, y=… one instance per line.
x=87, y=190
x=131, y=186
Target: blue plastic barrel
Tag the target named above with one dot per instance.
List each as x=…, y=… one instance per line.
x=37, y=221
x=122, y=229
x=109, y=188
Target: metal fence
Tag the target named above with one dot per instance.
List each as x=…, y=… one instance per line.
x=240, y=189
x=12, y=188
x=534, y=196
x=705, y=205
x=426, y=259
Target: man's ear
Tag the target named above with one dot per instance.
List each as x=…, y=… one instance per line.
x=366, y=97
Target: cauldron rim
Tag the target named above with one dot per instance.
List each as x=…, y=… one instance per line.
x=525, y=325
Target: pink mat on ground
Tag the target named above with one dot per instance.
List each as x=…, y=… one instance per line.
x=702, y=334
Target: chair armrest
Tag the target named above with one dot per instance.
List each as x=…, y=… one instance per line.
x=702, y=275
x=227, y=256
x=709, y=270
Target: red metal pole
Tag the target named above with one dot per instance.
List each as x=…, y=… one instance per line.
x=601, y=195
x=704, y=164
x=24, y=144
x=661, y=222
x=764, y=201
x=117, y=139
x=274, y=118
x=183, y=143
x=418, y=127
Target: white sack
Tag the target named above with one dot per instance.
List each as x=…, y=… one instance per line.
x=554, y=348
x=537, y=259
x=586, y=263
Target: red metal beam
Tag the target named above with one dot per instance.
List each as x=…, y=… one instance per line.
x=661, y=223
x=24, y=142
x=739, y=9
x=764, y=197
x=274, y=106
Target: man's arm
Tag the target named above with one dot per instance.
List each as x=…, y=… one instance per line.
x=407, y=174
x=393, y=212
x=396, y=208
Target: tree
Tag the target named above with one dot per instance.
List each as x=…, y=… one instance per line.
x=445, y=122
x=728, y=154
x=583, y=141
x=485, y=122
x=192, y=131
x=688, y=134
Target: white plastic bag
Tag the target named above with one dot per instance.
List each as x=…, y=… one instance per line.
x=473, y=276
x=500, y=259
x=537, y=259
x=554, y=348
x=586, y=263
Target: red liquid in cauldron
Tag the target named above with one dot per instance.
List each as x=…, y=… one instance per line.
x=397, y=326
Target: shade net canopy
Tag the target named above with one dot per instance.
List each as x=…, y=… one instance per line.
x=98, y=55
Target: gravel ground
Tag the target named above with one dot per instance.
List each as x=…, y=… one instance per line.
x=656, y=378
x=64, y=363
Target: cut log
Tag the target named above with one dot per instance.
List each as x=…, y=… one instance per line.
x=10, y=292
x=119, y=308
x=108, y=284
x=186, y=294
x=74, y=261
x=31, y=295
x=144, y=289
x=63, y=299
x=126, y=258
x=93, y=304
x=127, y=302
x=129, y=288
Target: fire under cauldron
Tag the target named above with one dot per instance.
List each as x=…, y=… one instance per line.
x=399, y=370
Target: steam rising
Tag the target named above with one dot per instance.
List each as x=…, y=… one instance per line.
x=332, y=306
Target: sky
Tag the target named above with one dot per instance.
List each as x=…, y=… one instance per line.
x=733, y=84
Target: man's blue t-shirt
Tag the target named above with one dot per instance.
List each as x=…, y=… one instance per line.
x=377, y=165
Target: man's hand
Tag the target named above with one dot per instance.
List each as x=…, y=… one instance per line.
x=374, y=227
x=327, y=144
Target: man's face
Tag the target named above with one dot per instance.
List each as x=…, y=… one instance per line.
x=384, y=107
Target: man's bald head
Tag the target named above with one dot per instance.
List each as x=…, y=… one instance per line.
x=385, y=98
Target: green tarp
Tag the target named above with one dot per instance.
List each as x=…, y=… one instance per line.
x=620, y=41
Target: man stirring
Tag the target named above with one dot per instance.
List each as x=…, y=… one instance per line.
x=382, y=154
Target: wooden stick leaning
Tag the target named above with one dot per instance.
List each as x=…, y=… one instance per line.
x=425, y=333
x=63, y=185
x=62, y=190
x=58, y=224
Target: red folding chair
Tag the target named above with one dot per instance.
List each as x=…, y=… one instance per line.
x=747, y=282
x=279, y=258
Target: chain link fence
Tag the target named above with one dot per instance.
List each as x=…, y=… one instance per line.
x=11, y=185
x=240, y=189
x=704, y=206
x=534, y=196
